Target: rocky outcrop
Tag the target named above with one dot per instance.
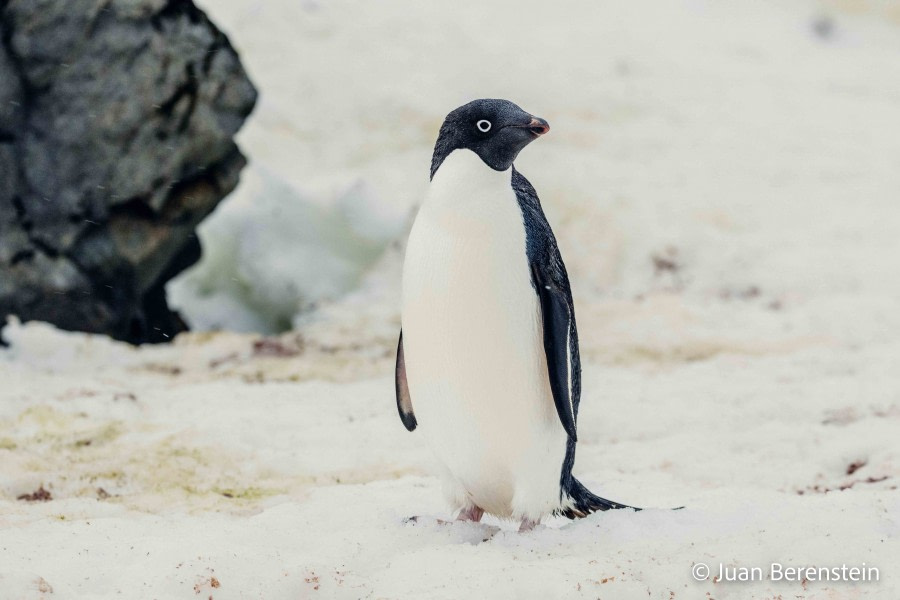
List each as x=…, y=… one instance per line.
x=117, y=120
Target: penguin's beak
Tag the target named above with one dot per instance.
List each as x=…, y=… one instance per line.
x=536, y=126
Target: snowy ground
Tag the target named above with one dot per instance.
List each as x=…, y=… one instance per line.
x=724, y=183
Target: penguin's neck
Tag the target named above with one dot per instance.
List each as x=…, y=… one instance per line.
x=467, y=196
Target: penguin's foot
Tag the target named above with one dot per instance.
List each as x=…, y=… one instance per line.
x=471, y=513
x=528, y=525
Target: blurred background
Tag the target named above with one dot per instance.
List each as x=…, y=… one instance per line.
x=723, y=181
x=720, y=175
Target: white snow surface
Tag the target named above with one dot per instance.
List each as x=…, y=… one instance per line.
x=723, y=182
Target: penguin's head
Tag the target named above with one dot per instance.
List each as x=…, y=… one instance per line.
x=495, y=130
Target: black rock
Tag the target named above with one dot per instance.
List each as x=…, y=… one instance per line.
x=116, y=139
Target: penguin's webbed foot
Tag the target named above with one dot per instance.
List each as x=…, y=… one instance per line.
x=470, y=513
x=528, y=524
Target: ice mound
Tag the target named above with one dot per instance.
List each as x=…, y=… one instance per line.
x=273, y=251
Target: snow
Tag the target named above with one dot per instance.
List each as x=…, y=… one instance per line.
x=277, y=487
x=723, y=183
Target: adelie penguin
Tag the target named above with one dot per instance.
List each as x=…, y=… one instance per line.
x=487, y=363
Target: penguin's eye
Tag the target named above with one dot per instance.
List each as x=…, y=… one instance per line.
x=483, y=125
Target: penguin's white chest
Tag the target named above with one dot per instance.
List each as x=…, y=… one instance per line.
x=473, y=344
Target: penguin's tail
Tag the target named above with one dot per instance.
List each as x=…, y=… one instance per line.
x=581, y=502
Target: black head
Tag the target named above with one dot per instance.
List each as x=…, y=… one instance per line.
x=495, y=130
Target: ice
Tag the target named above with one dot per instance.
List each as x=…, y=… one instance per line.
x=272, y=252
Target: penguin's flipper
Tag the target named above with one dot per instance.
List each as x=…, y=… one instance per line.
x=404, y=402
x=551, y=283
x=557, y=319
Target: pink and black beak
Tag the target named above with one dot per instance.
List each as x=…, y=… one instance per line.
x=535, y=126
x=538, y=126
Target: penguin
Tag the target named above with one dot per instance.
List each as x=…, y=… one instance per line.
x=487, y=361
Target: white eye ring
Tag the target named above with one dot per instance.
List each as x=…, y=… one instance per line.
x=483, y=125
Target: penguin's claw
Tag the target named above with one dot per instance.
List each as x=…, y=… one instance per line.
x=471, y=513
x=528, y=525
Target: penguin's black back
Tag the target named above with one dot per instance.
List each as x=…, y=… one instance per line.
x=542, y=249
